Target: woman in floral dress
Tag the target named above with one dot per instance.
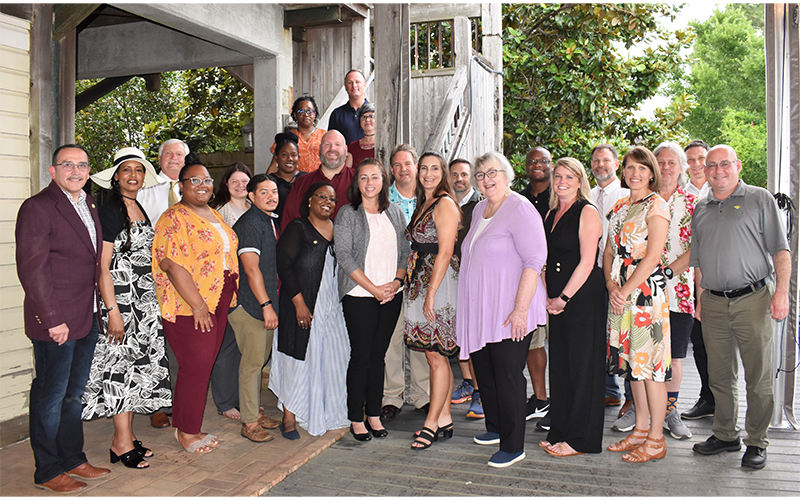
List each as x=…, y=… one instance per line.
x=638, y=321
x=680, y=277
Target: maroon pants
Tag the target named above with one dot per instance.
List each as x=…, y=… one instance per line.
x=195, y=352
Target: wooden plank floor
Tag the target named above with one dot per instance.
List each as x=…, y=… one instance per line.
x=457, y=467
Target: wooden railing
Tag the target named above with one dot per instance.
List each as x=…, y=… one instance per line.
x=431, y=43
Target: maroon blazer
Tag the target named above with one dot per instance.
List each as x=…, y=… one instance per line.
x=57, y=265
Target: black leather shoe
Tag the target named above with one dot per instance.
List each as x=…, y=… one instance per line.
x=754, y=457
x=714, y=445
x=360, y=437
x=389, y=412
x=378, y=433
x=701, y=409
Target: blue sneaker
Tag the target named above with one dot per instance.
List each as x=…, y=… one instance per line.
x=476, y=408
x=462, y=394
x=504, y=459
x=487, y=438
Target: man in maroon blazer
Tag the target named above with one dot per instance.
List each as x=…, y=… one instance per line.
x=59, y=242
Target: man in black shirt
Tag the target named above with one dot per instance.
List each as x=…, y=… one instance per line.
x=538, y=163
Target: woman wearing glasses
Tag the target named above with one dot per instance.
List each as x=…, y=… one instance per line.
x=196, y=271
x=365, y=147
x=310, y=349
x=305, y=114
x=500, y=300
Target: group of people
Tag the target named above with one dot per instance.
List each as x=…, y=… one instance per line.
x=346, y=278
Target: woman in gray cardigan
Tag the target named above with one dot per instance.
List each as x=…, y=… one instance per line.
x=372, y=252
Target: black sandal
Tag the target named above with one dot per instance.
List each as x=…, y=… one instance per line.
x=425, y=434
x=137, y=445
x=131, y=459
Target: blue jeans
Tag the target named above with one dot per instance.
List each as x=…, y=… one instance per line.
x=55, y=406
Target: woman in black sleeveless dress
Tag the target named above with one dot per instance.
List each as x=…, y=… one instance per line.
x=577, y=307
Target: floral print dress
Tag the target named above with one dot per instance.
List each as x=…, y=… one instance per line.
x=639, y=338
x=419, y=333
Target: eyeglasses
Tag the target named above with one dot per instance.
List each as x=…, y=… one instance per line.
x=540, y=162
x=196, y=181
x=370, y=116
x=722, y=164
x=489, y=173
x=324, y=197
x=306, y=112
x=68, y=165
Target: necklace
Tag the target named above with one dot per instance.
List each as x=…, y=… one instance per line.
x=128, y=197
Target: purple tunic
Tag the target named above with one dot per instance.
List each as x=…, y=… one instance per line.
x=490, y=271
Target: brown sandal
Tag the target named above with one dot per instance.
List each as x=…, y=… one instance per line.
x=640, y=454
x=627, y=444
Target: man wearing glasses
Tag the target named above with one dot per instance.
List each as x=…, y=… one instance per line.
x=59, y=242
x=157, y=199
x=738, y=239
x=538, y=164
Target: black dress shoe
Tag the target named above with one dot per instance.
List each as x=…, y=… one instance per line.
x=360, y=437
x=754, y=457
x=389, y=412
x=701, y=409
x=378, y=433
x=714, y=445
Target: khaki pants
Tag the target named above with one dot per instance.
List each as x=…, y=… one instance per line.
x=400, y=360
x=255, y=344
x=742, y=324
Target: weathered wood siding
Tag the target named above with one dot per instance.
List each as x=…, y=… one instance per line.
x=484, y=105
x=428, y=89
x=320, y=63
x=15, y=175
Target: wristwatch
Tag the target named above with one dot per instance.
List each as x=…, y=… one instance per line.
x=668, y=273
x=565, y=298
x=265, y=304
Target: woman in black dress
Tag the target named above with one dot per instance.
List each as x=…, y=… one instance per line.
x=576, y=304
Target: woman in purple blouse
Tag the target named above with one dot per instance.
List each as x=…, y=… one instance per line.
x=501, y=300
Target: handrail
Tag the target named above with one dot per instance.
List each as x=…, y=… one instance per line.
x=341, y=98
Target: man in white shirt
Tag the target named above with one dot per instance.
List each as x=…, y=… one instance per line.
x=157, y=199
x=696, y=157
x=605, y=163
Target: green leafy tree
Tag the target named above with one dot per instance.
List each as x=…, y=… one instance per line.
x=568, y=85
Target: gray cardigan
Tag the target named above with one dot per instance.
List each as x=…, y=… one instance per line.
x=351, y=237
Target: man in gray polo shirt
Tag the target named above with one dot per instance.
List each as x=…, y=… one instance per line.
x=737, y=238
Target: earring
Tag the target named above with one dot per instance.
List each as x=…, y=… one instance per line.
x=309, y=205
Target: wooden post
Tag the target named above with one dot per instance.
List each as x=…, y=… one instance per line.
x=393, y=102
x=66, y=101
x=360, y=45
x=41, y=111
x=462, y=41
x=492, y=21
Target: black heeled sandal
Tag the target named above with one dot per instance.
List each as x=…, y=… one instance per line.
x=427, y=434
x=131, y=459
x=137, y=445
x=446, y=431
x=378, y=433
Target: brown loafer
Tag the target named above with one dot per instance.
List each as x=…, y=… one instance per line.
x=257, y=435
x=88, y=471
x=268, y=422
x=62, y=483
x=389, y=412
x=625, y=408
x=159, y=420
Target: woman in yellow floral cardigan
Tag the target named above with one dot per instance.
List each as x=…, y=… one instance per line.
x=196, y=273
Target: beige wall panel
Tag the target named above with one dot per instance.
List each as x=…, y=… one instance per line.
x=16, y=383
x=14, y=124
x=11, y=295
x=16, y=404
x=7, y=253
x=14, y=339
x=15, y=166
x=14, y=102
x=14, y=145
x=15, y=360
x=15, y=81
x=14, y=59
x=12, y=320
x=9, y=209
x=15, y=188
x=7, y=232
x=8, y=277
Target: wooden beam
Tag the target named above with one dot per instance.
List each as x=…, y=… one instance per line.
x=242, y=73
x=313, y=16
x=67, y=17
x=421, y=12
x=359, y=9
x=66, y=98
x=98, y=90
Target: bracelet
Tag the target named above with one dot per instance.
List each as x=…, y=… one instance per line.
x=201, y=308
x=400, y=280
x=565, y=298
x=112, y=307
x=431, y=286
x=265, y=304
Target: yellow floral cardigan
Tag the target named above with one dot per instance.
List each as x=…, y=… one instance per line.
x=192, y=242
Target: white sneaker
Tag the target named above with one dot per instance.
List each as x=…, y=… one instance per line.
x=675, y=426
x=626, y=422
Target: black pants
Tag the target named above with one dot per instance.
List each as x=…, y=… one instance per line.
x=701, y=360
x=370, y=326
x=499, y=367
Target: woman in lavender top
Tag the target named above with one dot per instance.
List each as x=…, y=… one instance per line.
x=500, y=300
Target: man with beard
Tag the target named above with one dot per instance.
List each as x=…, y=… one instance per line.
x=332, y=168
x=538, y=164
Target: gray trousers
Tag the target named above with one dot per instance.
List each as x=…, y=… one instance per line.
x=742, y=324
